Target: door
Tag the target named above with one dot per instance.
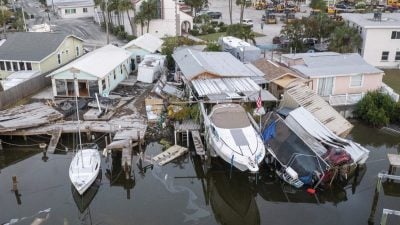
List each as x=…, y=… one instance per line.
x=325, y=86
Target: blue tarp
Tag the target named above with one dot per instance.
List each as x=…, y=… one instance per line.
x=269, y=132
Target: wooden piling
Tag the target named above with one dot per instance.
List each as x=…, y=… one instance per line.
x=1, y=145
x=14, y=180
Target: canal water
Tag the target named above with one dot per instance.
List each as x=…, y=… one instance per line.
x=180, y=193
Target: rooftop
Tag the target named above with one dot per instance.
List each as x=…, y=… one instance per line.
x=388, y=20
x=233, y=41
x=98, y=63
x=69, y=3
x=193, y=63
x=327, y=64
x=273, y=70
x=31, y=46
x=147, y=42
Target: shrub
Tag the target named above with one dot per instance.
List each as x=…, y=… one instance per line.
x=213, y=47
x=222, y=28
x=214, y=23
x=376, y=109
x=130, y=37
x=211, y=30
x=221, y=24
x=194, y=32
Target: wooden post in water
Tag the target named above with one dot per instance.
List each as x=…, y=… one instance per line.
x=1, y=145
x=14, y=180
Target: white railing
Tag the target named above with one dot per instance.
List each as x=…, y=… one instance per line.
x=346, y=99
x=388, y=90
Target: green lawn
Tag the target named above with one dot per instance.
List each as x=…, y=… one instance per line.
x=215, y=36
x=392, y=79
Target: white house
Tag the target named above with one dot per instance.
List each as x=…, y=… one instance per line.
x=72, y=8
x=99, y=72
x=142, y=46
x=381, y=37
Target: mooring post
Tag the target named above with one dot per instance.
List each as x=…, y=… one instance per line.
x=175, y=136
x=187, y=138
x=375, y=200
x=1, y=145
x=14, y=180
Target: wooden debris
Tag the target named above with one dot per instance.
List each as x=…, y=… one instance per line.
x=198, y=144
x=56, y=134
x=169, y=154
x=27, y=116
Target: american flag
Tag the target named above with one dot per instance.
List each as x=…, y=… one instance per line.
x=259, y=102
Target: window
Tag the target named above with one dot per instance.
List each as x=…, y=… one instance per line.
x=59, y=58
x=103, y=84
x=70, y=11
x=397, y=57
x=15, y=66
x=138, y=59
x=2, y=67
x=85, y=10
x=115, y=75
x=21, y=65
x=28, y=66
x=385, y=56
x=8, y=66
x=356, y=81
x=325, y=86
x=120, y=68
x=66, y=52
x=77, y=50
x=395, y=34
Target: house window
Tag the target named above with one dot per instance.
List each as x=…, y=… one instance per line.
x=385, y=56
x=397, y=57
x=159, y=11
x=395, y=34
x=15, y=66
x=103, y=84
x=356, y=81
x=21, y=65
x=115, y=75
x=85, y=10
x=77, y=50
x=138, y=59
x=59, y=58
x=2, y=67
x=8, y=66
x=325, y=86
x=66, y=52
x=120, y=68
x=28, y=66
x=70, y=11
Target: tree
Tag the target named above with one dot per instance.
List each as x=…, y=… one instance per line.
x=195, y=5
x=125, y=6
x=377, y=109
x=345, y=39
x=242, y=4
x=241, y=31
x=319, y=26
x=230, y=5
x=102, y=6
x=318, y=4
x=149, y=10
x=140, y=18
x=295, y=33
x=5, y=16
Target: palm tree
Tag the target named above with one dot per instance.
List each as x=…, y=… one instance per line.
x=242, y=4
x=140, y=18
x=345, y=39
x=149, y=10
x=102, y=6
x=125, y=6
x=230, y=6
x=5, y=15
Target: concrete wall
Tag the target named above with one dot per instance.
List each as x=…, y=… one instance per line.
x=25, y=89
x=369, y=83
x=375, y=42
x=79, y=12
x=68, y=53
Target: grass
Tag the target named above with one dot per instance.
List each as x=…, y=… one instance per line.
x=392, y=79
x=215, y=36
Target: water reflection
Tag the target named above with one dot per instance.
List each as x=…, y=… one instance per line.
x=117, y=176
x=232, y=200
x=12, y=156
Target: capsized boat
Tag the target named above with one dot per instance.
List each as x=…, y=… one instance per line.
x=233, y=138
x=84, y=167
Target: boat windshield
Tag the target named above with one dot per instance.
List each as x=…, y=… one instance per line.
x=230, y=117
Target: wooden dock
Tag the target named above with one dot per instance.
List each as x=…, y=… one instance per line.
x=198, y=144
x=169, y=155
x=184, y=128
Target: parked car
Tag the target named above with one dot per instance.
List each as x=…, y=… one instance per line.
x=214, y=15
x=344, y=8
x=248, y=22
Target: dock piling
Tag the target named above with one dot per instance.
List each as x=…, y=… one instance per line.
x=14, y=181
x=1, y=145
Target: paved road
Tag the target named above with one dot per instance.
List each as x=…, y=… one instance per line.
x=270, y=30
x=84, y=28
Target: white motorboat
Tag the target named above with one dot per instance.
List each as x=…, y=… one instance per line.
x=233, y=138
x=84, y=168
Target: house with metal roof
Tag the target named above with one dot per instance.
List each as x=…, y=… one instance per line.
x=380, y=33
x=219, y=76
x=98, y=72
x=342, y=79
x=278, y=76
x=142, y=46
x=37, y=51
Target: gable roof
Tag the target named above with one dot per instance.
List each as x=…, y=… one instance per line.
x=332, y=64
x=147, y=42
x=273, y=70
x=193, y=63
x=31, y=46
x=99, y=62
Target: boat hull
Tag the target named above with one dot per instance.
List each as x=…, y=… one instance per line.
x=84, y=168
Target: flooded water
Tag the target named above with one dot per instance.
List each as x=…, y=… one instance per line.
x=180, y=193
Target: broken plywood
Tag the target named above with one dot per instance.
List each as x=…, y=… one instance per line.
x=169, y=155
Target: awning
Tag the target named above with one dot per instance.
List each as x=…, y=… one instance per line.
x=284, y=81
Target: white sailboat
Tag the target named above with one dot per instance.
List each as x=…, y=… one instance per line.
x=233, y=138
x=85, y=165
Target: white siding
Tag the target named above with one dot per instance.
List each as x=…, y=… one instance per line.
x=78, y=12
